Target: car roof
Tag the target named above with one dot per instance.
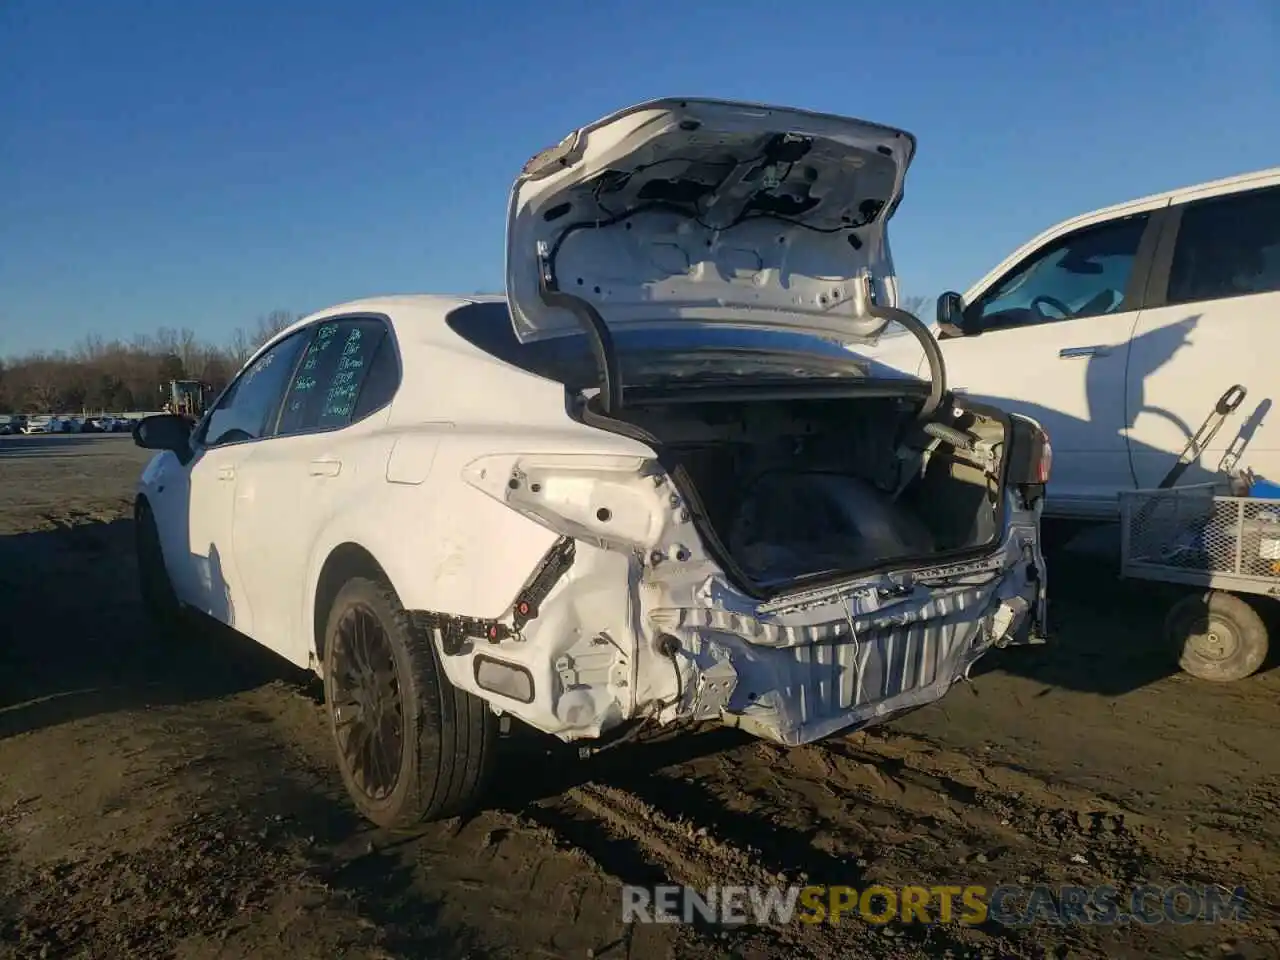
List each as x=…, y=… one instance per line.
x=440, y=303
x=1224, y=185
x=414, y=316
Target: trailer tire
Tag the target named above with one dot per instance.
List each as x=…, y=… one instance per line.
x=1217, y=636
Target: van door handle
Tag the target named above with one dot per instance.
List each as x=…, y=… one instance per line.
x=1097, y=351
x=324, y=467
x=226, y=473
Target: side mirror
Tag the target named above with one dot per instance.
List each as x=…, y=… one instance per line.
x=163, y=431
x=951, y=314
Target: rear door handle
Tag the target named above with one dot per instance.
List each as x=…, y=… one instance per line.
x=226, y=473
x=325, y=468
x=1096, y=351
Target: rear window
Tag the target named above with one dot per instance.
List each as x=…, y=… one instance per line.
x=568, y=359
x=487, y=326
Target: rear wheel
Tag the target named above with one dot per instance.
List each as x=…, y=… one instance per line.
x=411, y=747
x=158, y=596
x=1217, y=635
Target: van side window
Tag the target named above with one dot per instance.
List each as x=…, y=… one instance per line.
x=1228, y=246
x=1084, y=274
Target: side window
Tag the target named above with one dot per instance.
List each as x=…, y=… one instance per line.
x=381, y=381
x=1227, y=247
x=328, y=384
x=1084, y=274
x=247, y=410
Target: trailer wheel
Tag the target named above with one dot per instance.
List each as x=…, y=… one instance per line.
x=1217, y=635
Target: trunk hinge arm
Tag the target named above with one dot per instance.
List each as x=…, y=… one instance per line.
x=937, y=366
x=593, y=325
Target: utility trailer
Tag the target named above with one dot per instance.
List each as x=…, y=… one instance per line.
x=1222, y=538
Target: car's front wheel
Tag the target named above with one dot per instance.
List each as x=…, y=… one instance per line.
x=411, y=746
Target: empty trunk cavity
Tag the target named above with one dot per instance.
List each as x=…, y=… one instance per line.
x=801, y=489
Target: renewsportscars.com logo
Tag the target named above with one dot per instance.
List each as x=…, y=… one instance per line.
x=1009, y=905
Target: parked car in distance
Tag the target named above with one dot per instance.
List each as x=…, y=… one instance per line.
x=111, y=424
x=41, y=423
x=661, y=481
x=1120, y=329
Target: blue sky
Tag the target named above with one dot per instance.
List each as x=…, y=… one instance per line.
x=198, y=164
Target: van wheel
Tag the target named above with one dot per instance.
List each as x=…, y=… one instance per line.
x=158, y=596
x=411, y=746
x=1219, y=636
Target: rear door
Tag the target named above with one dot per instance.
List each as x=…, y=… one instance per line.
x=1213, y=320
x=324, y=444
x=1049, y=338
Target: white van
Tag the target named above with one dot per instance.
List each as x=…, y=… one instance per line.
x=1119, y=331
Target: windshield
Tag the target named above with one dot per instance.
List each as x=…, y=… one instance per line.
x=650, y=354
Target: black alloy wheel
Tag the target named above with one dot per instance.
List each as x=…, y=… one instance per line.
x=367, y=703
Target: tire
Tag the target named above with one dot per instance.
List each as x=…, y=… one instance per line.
x=447, y=737
x=1217, y=635
x=158, y=596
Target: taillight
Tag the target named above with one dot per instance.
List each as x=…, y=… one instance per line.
x=609, y=501
x=1045, y=461
x=1030, y=453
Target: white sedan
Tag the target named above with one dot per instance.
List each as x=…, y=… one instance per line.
x=42, y=424
x=662, y=481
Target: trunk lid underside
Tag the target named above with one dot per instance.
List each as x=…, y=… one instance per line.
x=702, y=212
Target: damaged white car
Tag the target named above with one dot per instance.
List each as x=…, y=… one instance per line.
x=663, y=480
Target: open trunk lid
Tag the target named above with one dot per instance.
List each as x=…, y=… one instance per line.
x=708, y=213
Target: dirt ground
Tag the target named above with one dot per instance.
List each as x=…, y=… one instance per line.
x=173, y=796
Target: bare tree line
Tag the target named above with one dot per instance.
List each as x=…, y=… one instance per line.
x=101, y=375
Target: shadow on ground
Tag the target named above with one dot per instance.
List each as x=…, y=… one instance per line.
x=1106, y=633
x=74, y=641
x=75, y=644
